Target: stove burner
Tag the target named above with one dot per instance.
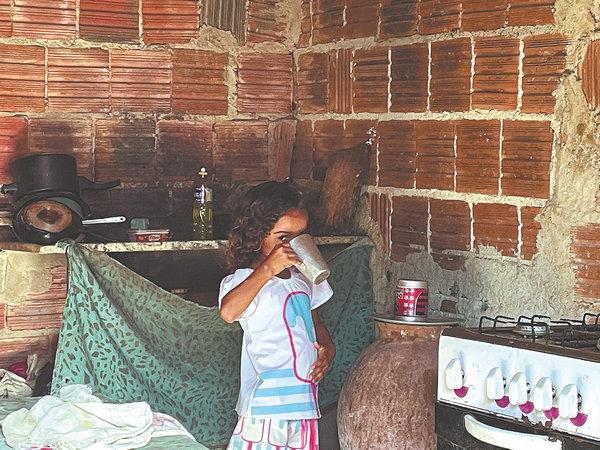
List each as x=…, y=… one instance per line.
x=529, y=330
x=572, y=333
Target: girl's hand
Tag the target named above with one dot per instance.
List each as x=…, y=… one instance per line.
x=321, y=365
x=281, y=257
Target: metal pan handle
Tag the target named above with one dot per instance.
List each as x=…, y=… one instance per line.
x=10, y=188
x=512, y=440
x=116, y=219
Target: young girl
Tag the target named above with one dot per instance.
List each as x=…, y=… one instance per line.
x=286, y=349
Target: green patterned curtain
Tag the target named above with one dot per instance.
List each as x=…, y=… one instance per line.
x=130, y=340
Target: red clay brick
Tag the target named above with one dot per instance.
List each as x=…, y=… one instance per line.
x=530, y=12
x=22, y=76
x=305, y=25
x=109, y=20
x=398, y=18
x=370, y=87
x=435, y=159
x=58, y=135
x=310, y=86
x=44, y=19
x=13, y=142
x=340, y=91
x=585, y=257
x=170, y=21
x=5, y=21
x=483, y=14
x=361, y=18
x=588, y=74
x=266, y=23
x=43, y=310
x=328, y=20
x=410, y=65
x=183, y=148
x=450, y=226
x=409, y=226
x=302, y=156
x=328, y=135
x=226, y=15
x=332, y=135
x=438, y=16
x=379, y=210
x=544, y=62
x=35, y=314
x=450, y=75
x=358, y=132
x=145, y=201
x=281, y=145
x=495, y=82
x=241, y=151
x=18, y=348
x=529, y=231
x=199, y=82
x=477, y=156
x=140, y=80
x=125, y=150
x=496, y=225
x=78, y=79
x=264, y=83
x=397, y=153
x=526, y=157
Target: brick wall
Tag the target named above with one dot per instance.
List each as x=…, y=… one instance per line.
x=148, y=91
x=484, y=171
x=470, y=137
x=410, y=87
x=145, y=91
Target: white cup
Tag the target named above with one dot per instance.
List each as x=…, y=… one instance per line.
x=313, y=265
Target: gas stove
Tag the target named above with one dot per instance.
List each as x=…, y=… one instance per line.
x=540, y=374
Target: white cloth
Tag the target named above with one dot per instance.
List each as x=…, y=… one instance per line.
x=13, y=386
x=79, y=420
x=278, y=347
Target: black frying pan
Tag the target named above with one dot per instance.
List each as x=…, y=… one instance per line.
x=46, y=221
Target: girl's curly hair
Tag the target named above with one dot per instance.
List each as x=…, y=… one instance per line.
x=254, y=217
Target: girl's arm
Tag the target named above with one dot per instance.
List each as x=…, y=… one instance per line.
x=235, y=302
x=325, y=349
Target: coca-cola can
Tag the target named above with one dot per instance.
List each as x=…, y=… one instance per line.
x=411, y=298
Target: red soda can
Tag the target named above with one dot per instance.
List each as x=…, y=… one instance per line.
x=411, y=298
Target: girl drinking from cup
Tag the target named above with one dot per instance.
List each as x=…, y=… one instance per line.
x=286, y=349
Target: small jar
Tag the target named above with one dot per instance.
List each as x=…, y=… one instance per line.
x=411, y=298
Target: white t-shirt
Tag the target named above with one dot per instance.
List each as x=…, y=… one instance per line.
x=278, y=347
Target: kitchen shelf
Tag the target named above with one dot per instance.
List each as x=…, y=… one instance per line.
x=127, y=247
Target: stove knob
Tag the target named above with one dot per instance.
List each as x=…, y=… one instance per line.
x=494, y=384
x=568, y=405
x=454, y=374
x=517, y=389
x=542, y=394
x=455, y=378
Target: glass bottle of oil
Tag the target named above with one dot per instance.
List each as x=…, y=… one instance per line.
x=202, y=211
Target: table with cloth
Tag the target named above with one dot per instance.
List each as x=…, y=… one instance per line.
x=131, y=341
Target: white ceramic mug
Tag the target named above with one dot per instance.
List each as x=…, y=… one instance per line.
x=313, y=265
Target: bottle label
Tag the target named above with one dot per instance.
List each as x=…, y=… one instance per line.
x=203, y=194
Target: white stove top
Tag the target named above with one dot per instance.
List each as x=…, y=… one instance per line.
x=537, y=383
